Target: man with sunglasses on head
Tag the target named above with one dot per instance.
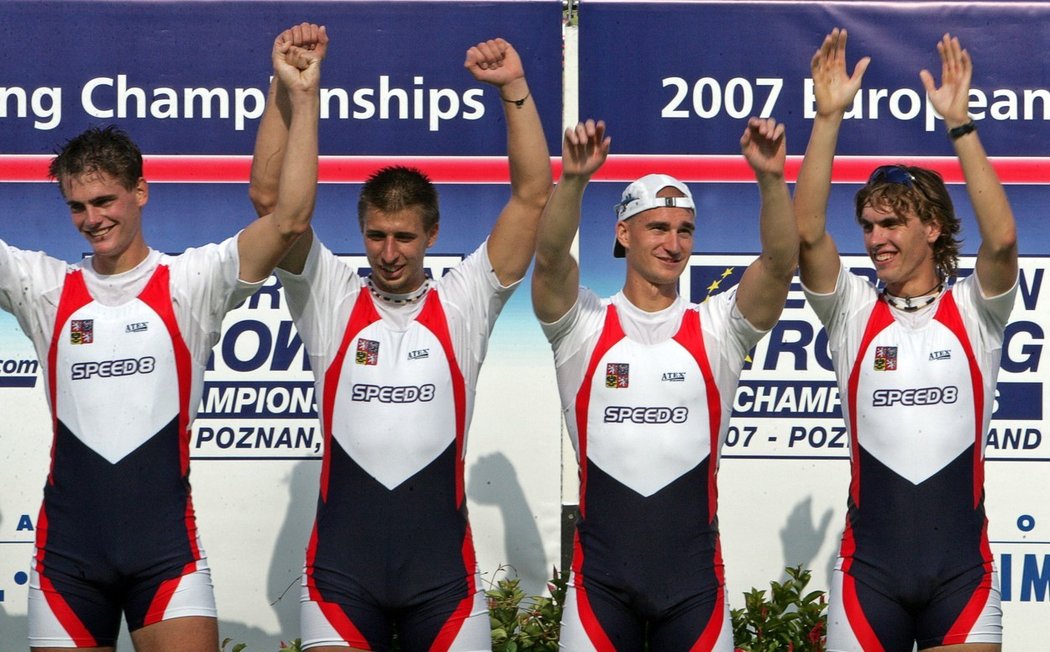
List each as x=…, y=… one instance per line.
x=916, y=363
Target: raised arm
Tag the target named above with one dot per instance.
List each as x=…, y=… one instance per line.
x=833, y=90
x=764, y=286
x=271, y=140
x=513, y=238
x=556, y=278
x=997, y=255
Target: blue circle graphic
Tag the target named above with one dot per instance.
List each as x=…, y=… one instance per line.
x=1025, y=522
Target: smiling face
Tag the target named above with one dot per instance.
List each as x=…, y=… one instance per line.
x=109, y=216
x=901, y=247
x=658, y=243
x=395, y=244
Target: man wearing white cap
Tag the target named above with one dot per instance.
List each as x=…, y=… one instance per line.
x=647, y=382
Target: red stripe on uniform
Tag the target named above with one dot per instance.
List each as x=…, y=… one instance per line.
x=690, y=336
x=948, y=314
x=879, y=320
x=855, y=615
x=162, y=598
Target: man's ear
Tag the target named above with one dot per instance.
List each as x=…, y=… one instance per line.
x=141, y=192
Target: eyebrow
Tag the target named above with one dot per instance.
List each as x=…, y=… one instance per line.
x=665, y=224
x=94, y=201
x=893, y=218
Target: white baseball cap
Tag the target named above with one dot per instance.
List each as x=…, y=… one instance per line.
x=641, y=196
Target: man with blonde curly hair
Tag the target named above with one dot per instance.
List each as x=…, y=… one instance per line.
x=916, y=361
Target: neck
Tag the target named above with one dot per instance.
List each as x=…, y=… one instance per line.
x=127, y=260
x=398, y=299
x=909, y=303
x=650, y=297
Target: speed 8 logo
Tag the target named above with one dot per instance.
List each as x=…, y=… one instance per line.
x=915, y=396
x=645, y=415
x=113, y=368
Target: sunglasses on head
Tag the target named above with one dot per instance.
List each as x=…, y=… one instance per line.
x=892, y=174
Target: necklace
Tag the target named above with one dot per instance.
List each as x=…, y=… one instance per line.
x=399, y=299
x=911, y=304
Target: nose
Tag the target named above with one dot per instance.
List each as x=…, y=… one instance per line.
x=673, y=243
x=92, y=216
x=389, y=251
x=876, y=235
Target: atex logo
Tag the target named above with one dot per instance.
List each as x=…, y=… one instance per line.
x=941, y=355
x=917, y=396
x=392, y=393
x=419, y=354
x=673, y=377
x=136, y=327
x=647, y=415
x=113, y=368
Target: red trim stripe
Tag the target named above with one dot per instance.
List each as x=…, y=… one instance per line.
x=731, y=168
x=361, y=316
x=971, y=613
x=948, y=314
x=157, y=296
x=162, y=598
x=691, y=337
x=713, y=630
x=611, y=333
x=858, y=620
x=75, y=628
x=432, y=317
x=879, y=320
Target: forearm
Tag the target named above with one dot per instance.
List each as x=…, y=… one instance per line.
x=555, y=280
x=529, y=158
x=814, y=179
x=777, y=229
x=991, y=207
x=270, y=142
x=560, y=221
x=297, y=186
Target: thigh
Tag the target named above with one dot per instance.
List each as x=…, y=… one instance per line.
x=185, y=634
x=341, y=619
x=595, y=618
x=964, y=610
x=66, y=612
x=701, y=623
x=862, y=618
x=178, y=593
x=454, y=618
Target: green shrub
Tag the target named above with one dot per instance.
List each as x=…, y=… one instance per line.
x=790, y=620
x=523, y=623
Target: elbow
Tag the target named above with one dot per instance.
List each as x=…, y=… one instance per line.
x=264, y=202
x=782, y=267
x=1008, y=241
x=535, y=196
x=294, y=224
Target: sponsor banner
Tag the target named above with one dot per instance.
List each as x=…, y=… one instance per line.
x=184, y=82
x=189, y=89
x=713, y=64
